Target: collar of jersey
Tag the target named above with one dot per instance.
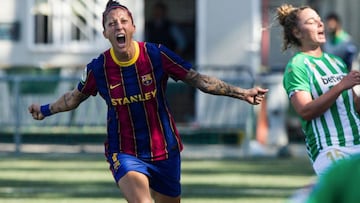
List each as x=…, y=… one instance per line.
x=129, y=62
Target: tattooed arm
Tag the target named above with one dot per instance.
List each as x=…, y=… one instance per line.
x=69, y=101
x=212, y=85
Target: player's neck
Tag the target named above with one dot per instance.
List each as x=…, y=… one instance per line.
x=315, y=51
x=126, y=59
x=125, y=55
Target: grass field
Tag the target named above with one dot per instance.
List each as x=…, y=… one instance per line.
x=80, y=178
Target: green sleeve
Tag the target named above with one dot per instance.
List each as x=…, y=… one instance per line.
x=296, y=77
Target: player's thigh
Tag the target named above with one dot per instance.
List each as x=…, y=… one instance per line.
x=161, y=198
x=328, y=157
x=135, y=187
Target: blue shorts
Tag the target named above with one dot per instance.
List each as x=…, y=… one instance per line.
x=164, y=176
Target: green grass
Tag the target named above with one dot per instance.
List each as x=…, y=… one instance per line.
x=65, y=178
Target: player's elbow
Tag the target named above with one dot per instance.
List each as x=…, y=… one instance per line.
x=307, y=115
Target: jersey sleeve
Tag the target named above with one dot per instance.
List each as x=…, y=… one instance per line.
x=296, y=78
x=173, y=64
x=87, y=84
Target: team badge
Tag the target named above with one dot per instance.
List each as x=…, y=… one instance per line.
x=146, y=79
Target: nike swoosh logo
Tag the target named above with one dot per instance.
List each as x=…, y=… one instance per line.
x=114, y=86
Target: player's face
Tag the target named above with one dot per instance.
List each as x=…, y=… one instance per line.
x=119, y=29
x=310, y=30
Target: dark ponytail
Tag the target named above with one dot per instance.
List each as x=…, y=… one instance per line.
x=112, y=4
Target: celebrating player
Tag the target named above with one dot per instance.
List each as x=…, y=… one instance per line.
x=143, y=145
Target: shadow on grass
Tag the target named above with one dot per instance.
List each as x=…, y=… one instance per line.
x=40, y=189
x=216, y=191
x=256, y=166
x=11, y=188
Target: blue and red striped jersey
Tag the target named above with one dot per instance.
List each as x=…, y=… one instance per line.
x=139, y=119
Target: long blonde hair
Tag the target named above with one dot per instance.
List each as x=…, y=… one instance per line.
x=287, y=16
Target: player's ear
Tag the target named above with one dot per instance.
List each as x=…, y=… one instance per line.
x=296, y=32
x=104, y=34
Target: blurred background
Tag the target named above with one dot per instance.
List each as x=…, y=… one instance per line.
x=45, y=45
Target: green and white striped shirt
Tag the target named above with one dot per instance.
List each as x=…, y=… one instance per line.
x=339, y=125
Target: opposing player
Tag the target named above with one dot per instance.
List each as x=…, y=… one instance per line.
x=143, y=145
x=320, y=89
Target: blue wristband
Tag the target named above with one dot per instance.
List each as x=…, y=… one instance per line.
x=45, y=110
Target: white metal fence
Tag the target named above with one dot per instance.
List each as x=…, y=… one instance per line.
x=19, y=91
x=219, y=114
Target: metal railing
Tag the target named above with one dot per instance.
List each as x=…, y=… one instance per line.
x=212, y=113
x=17, y=95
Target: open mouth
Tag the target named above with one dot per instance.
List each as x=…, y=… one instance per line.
x=120, y=38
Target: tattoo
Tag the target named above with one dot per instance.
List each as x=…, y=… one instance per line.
x=65, y=102
x=68, y=101
x=213, y=85
x=82, y=97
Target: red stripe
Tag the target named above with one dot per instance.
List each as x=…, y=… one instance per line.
x=173, y=68
x=172, y=122
x=158, y=145
x=126, y=130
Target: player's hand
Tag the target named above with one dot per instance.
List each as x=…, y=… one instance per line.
x=255, y=95
x=34, y=110
x=350, y=80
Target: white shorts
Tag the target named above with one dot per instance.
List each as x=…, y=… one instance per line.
x=330, y=155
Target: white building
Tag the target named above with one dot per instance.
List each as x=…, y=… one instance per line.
x=54, y=33
x=60, y=33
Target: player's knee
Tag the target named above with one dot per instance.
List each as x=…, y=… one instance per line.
x=135, y=188
x=161, y=198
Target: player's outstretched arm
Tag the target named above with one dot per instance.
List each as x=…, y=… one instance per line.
x=68, y=101
x=212, y=85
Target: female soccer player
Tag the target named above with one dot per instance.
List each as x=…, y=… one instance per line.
x=320, y=89
x=143, y=145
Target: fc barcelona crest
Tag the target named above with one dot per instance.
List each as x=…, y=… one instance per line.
x=146, y=79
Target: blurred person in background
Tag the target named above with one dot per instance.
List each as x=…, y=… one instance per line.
x=339, y=42
x=319, y=87
x=161, y=30
x=143, y=144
